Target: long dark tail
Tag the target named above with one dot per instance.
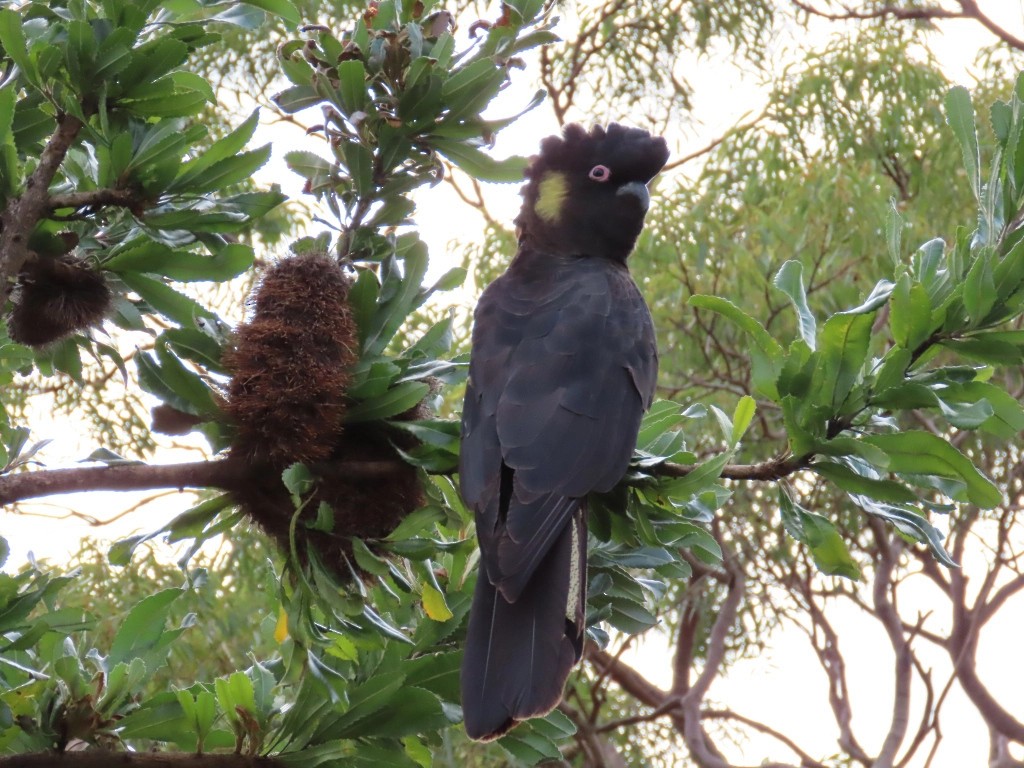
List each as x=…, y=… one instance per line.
x=518, y=655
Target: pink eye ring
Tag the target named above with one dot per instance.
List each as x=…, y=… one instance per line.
x=600, y=173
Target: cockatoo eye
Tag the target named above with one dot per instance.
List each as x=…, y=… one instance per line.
x=600, y=173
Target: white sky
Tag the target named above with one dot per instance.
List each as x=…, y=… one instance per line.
x=782, y=687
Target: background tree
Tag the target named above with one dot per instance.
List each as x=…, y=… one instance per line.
x=872, y=421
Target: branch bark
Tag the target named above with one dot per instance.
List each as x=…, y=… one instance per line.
x=968, y=10
x=22, y=213
x=226, y=474
x=122, y=198
x=101, y=758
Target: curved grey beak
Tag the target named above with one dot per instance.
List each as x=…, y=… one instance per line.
x=639, y=191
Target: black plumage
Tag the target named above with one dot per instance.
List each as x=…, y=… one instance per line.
x=563, y=366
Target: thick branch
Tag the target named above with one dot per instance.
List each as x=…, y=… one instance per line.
x=101, y=758
x=22, y=213
x=968, y=10
x=224, y=473
x=227, y=475
x=122, y=198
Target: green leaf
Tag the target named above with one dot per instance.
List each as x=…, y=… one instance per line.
x=767, y=355
x=979, y=294
x=853, y=482
x=922, y=453
x=151, y=61
x=827, y=547
x=630, y=617
x=196, y=346
x=742, y=416
x=910, y=313
x=844, y=348
x=141, y=633
x=283, y=9
x=913, y=524
x=224, y=173
x=790, y=280
x=480, y=165
x=297, y=98
x=359, y=161
x=184, y=266
x=989, y=348
x=168, y=302
x=697, y=480
x=894, y=232
x=400, y=294
x=396, y=400
x=960, y=116
x=352, y=86
x=365, y=699
x=165, y=375
x=181, y=94
x=12, y=38
x=469, y=89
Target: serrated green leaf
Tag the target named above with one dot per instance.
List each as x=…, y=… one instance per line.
x=396, y=400
x=142, y=630
x=359, y=161
x=480, y=165
x=184, y=266
x=910, y=313
x=297, y=98
x=12, y=38
x=790, y=280
x=470, y=88
x=168, y=302
x=850, y=481
x=979, y=294
x=283, y=9
x=742, y=416
x=767, y=355
x=844, y=347
x=827, y=547
x=960, y=116
x=922, y=453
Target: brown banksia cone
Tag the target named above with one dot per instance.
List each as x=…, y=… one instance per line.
x=290, y=371
x=290, y=363
x=54, y=298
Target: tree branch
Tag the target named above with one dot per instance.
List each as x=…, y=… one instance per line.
x=226, y=474
x=22, y=213
x=968, y=10
x=887, y=11
x=122, y=198
x=886, y=613
x=972, y=11
x=101, y=758
x=806, y=761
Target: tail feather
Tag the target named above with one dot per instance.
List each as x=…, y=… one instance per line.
x=518, y=655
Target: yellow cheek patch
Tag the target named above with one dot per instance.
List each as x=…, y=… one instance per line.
x=552, y=191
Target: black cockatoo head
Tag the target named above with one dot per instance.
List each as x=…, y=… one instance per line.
x=587, y=192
